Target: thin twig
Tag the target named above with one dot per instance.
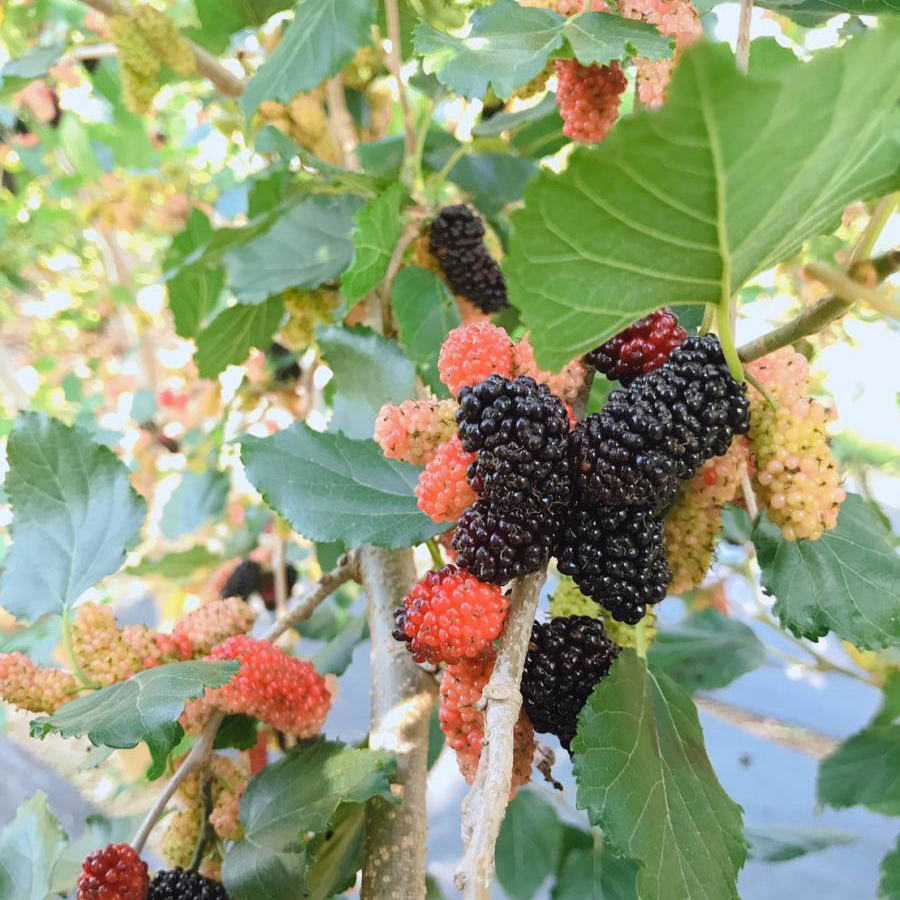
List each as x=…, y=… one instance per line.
x=852, y=291
x=749, y=497
x=345, y=570
x=280, y=576
x=203, y=838
x=767, y=395
x=742, y=50
x=341, y=122
x=84, y=52
x=485, y=805
x=207, y=64
x=395, y=64
x=198, y=756
x=821, y=314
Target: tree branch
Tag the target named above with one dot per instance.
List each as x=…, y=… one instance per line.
x=342, y=122
x=207, y=64
x=485, y=805
x=402, y=699
x=851, y=290
x=395, y=63
x=198, y=757
x=742, y=47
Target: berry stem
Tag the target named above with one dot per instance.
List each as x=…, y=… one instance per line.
x=640, y=638
x=726, y=338
x=749, y=497
x=768, y=396
x=198, y=757
x=852, y=291
x=203, y=838
x=435, y=552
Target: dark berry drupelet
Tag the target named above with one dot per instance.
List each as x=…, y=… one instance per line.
x=246, y=579
x=566, y=658
x=616, y=556
x=640, y=348
x=520, y=432
x=497, y=544
x=456, y=241
x=657, y=432
x=179, y=884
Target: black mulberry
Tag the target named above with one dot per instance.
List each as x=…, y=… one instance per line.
x=566, y=658
x=246, y=579
x=456, y=241
x=657, y=432
x=179, y=884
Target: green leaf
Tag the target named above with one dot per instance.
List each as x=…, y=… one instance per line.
x=847, y=582
x=229, y=337
x=527, y=845
x=74, y=515
x=337, y=654
x=146, y=708
x=644, y=777
x=238, y=731
x=369, y=370
x=331, y=488
x=599, y=38
x=587, y=869
x=219, y=19
x=425, y=312
x=322, y=38
x=307, y=246
x=337, y=854
x=780, y=843
x=298, y=794
x=199, y=497
x=727, y=179
x=30, y=847
x=810, y=12
x=377, y=228
x=889, y=884
x=16, y=73
x=507, y=46
x=706, y=650
x=493, y=179
x=194, y=288
x=182, y=564
x=863, y=770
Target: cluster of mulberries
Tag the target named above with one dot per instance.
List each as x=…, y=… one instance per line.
x=463, y=722
x=450, y=616
x=307, y=309
x=797, y=478
x=566, y=658
x=183, y=884
x=215, y=622
x=456, y=241
x=413, y=431
x=694, y=522
x=33, y=688
x=588, y=98
x=280, y=690
x=154, y=648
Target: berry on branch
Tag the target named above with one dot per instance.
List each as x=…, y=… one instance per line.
x=520, y=432
x=471, y=353
x=114, y=873
x=797, y=477
x=100, y=648
x=413, y=431
x=443, y=492
x=246, y=579
x=180, y=884
x=30, y=687
x=588, y=98
x=640, y=348
x=616, y=556
x=566, y=658
x=450, y=616
x=657, y=432
x=456, y=241
x=215, y=622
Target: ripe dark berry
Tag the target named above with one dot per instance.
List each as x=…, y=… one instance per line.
x=450, y=616
x=179, y=884
x=114, y=873
x=640, y=348
x=497, y=544
x=616, y=556
x=566, y=658
x=520, y=432
x=246, y=579
x=456, y=241
x=284, y=363
x=267, y=585
x=657, y=432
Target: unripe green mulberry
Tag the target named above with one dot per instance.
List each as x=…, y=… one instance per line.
x=307, y=309
x=567, y=600
x=135, y=52
x=165, y=40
